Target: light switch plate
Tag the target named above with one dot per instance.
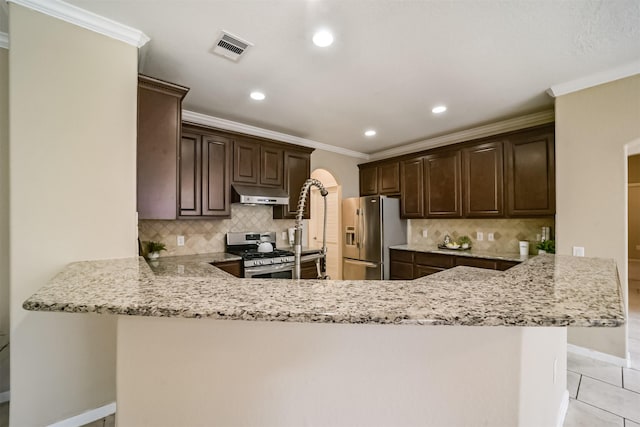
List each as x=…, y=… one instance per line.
x=479, y=235
x=425, y=233
x=180, y=241
x=490, y=237
x=578, y=251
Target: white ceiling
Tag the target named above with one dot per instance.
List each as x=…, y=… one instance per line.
x=391, y=61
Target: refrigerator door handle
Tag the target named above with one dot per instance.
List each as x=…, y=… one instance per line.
x=363, y=263
x=363, y=231
x=357, y=222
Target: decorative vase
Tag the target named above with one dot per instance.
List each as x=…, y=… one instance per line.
x=154, y=255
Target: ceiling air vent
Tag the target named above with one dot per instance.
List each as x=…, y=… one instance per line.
x=230, y=46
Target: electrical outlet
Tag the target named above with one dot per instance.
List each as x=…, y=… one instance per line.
x=180, y=240
x=578, y=251
x=479, y=235
x=490, y=237
x=424, y=233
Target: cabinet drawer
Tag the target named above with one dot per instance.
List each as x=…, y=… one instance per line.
x=505, y=265
x=400, y=270
x=477, y=262
x=422, y=270
x=397, y=255
x=435, y=260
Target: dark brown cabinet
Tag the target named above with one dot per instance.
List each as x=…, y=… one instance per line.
x=443, y=185
x=297, y=169
x=369, y=181
x=246, y=162
x=271, y=165
x=204, y=178
x=308, y=270
x=389, y=178
x=482, y=180
x=232, y=267
x=401, y=265
x=412, y=188
x=489, y=264
x=530, y=173
x=159, y=122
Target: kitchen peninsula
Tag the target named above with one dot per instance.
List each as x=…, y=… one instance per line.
x=340, y=352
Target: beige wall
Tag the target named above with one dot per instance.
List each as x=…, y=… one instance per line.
x=72, y=95
x=634, y=208
x=343, y=168
x=4, y=218
x=593, y=126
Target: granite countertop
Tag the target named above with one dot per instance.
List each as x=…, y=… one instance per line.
x=191, y=265
x=471, y=253
x=545, y=290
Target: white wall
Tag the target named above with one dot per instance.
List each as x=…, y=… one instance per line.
x=343, y=168
x=593, y=126
x=72, y=96
x=4, y=216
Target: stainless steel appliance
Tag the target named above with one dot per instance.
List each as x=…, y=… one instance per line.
x=258, y=263
x=371, y=224
x=251, y=195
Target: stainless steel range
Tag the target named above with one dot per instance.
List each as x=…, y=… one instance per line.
x=260, y=256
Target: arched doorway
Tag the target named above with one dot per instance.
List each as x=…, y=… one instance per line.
x=334, y=204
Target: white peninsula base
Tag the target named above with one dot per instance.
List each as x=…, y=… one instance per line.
x=188, y=372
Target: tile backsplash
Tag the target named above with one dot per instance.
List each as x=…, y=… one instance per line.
x=507, y=232
x=208, y=235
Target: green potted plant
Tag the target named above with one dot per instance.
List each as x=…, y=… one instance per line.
x=546, y=247
x=154, y=248
x=464, y=242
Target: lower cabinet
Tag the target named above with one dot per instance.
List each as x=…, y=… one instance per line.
x=408, y=265
x=232, y=267
x=308, y=270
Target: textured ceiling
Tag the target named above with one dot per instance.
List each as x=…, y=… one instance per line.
x=391, y=61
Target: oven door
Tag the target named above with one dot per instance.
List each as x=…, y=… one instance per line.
x=273, y=271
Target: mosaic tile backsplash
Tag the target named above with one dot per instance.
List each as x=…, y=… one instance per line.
x=203, y=235
x=507, y=232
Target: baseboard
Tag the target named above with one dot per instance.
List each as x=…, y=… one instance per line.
x=5, y=396
x=604, y=357
x=87, y=417
x=564, y=406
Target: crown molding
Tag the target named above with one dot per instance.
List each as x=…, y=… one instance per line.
x=85, y=19
x=503, y=126
x=4, y=40
x=596, y=79
x=203, y=119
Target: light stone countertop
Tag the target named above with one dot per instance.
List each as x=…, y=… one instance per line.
x=471, y=253
x=546, y=290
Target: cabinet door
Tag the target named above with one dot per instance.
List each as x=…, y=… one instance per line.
x=216, y=188
x=530, y=169
x=308, y=270
x=425, y=270
x=482, y=180
x=232, y=267
x=246, y=161
x=489, y=264
x=368, y=181
x=190, y=175
x=159, y=121
x=271, y=165
x=443, y=189
x=297, y=169
x=412, y=188
x=389, y=178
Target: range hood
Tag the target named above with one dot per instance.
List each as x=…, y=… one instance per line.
x=250, y=195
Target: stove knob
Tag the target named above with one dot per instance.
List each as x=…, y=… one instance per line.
x=257, y=262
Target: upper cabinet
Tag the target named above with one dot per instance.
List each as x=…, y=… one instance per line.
x=507, y=175
x=246, y=162
x=443, y=188
x=530, y=171
x=271, y=165
x=482, y=180
x=380, y=179
x=204, y=179
x=412, y=186
x=159, y=122
x=297, y=169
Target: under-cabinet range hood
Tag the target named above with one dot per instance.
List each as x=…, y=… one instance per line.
x=249, y=195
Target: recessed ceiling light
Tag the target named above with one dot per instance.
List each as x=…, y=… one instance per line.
x=370, y=132
x=439, y=109
x=322, y=38
x=258, y=96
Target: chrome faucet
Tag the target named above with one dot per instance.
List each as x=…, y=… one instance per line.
x=297, y=245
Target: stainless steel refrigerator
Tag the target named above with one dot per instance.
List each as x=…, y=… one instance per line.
x=371, y=224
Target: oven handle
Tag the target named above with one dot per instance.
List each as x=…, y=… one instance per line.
x=271, y=268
